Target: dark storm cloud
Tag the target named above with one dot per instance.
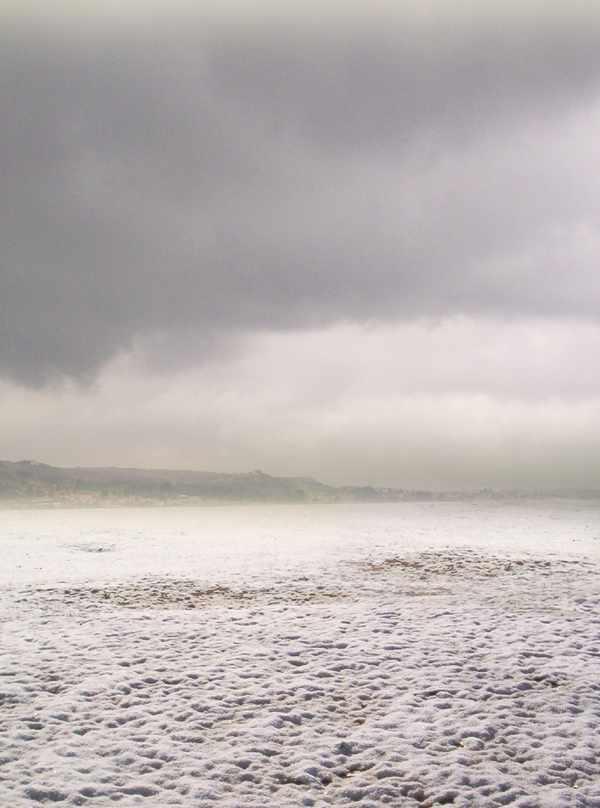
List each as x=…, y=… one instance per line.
x=194, y=182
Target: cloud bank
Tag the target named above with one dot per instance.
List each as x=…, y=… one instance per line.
x=391, y=194
x=457, y=403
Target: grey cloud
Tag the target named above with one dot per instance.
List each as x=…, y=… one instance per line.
x=201, y=183
x=458, y=403
x=378, y=90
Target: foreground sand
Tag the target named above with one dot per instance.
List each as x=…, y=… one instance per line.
x=417, y=680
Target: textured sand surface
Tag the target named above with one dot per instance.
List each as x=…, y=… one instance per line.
x=414, y=679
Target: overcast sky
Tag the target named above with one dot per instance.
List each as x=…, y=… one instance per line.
x=360, y=245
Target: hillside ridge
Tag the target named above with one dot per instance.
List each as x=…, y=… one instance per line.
x=26, y=482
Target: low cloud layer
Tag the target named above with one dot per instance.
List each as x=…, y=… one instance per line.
x=457, y=403
x=333, y=223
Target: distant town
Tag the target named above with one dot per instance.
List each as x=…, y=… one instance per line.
x=30, y=484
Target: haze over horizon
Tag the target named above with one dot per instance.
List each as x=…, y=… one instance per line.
x=320, y=239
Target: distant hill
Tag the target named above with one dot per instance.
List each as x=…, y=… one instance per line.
x=27, y=484
x=28, y=481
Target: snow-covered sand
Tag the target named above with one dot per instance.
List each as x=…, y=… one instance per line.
x=405, y=655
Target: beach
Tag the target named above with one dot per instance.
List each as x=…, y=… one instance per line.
x=420, y=655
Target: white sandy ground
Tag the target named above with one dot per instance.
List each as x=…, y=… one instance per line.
x=390, y=676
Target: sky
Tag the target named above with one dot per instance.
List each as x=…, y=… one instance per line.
x=320, y=239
